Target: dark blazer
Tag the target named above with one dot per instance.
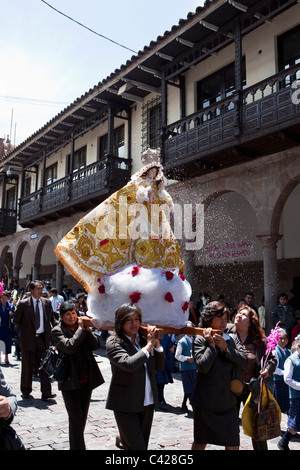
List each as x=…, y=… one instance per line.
x=127, y=387
x=24, y=321
x=80, y=342
x=212, y=388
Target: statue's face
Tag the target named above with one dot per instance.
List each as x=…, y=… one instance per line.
x=152, y=173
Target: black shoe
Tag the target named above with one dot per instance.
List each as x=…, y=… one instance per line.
x=282, y=446
x=184, y=408
x=26, y=396
x=163, y=406
x=119, y=442
x=47, y=398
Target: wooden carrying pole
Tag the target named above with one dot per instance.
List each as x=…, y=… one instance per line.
x=160, y=330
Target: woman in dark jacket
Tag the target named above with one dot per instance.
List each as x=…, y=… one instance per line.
x=252, y=338
x=77, y=341
x=216, y=356
x=6, y=312
x=132, y=393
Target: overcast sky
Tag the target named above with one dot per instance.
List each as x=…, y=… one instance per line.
x=47, y=60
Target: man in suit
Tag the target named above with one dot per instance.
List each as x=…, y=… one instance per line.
x=34, y=319
x=64, y=292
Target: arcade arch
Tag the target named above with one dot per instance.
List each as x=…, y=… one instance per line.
x=230, y=261
x=6, y=262
x=288, y=253
x=23, y=262
x=45, y=260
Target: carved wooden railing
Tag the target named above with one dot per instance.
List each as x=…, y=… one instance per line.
x=262, y=107
x=106, y=174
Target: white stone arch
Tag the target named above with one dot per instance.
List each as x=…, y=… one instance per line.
x=45, y=259
x=284, y=185
x=18, y=261
x=4, y=265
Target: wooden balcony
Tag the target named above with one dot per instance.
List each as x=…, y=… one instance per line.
x=8, y=222
x=260, y=120
x=80, y=191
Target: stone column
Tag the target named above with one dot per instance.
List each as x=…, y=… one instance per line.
x=269, y=244
x=59, y=276
x=16, y=271
x=36, y=272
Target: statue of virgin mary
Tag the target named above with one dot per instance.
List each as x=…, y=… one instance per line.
x=124, y=251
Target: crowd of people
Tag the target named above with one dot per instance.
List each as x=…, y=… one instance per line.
x=232, y=346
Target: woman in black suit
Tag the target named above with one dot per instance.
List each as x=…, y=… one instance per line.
x=77, y=341
x=132, y=393
x=216, y=357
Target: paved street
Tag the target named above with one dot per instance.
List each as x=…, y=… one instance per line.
x=44, y=426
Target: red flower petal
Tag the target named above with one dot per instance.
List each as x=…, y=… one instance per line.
x=101, y=289
x=135, y=270
x=169, y=297
x=135, y=297
x=169, y=275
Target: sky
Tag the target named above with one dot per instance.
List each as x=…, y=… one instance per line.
x=48, y=61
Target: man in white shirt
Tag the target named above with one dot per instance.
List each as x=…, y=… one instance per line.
x=56, y=301
x=34, y=319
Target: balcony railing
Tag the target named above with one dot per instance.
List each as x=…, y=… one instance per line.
x=90, y=183
x=266, y=107
x=8, y=222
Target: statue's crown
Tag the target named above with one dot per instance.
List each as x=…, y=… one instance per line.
x=150, y=156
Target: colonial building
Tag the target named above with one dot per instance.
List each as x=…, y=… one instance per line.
x=219, y=94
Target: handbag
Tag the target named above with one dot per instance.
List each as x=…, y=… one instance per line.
x=56, y=364
x=266, y=420
x=9, y=439
x=236, y=383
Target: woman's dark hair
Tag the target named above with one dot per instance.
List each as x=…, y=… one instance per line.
x=211, y=310
x=67, y=306
x=122, y=314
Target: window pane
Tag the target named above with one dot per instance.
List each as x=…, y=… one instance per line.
x=27, y=186
x=51, y=174
x=288, y=48
x=210, y=91
x=120, y=143
x=103, y=146
x=11, y=199
x=79, y=159
x=154, y=127
x=151, y=123
x=219, y=85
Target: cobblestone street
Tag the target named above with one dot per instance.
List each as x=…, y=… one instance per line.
x=44, y=425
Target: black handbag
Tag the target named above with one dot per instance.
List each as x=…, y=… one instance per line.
x=55, y=364
x=9, y=439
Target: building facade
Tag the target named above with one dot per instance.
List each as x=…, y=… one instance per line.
x=219, y=93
